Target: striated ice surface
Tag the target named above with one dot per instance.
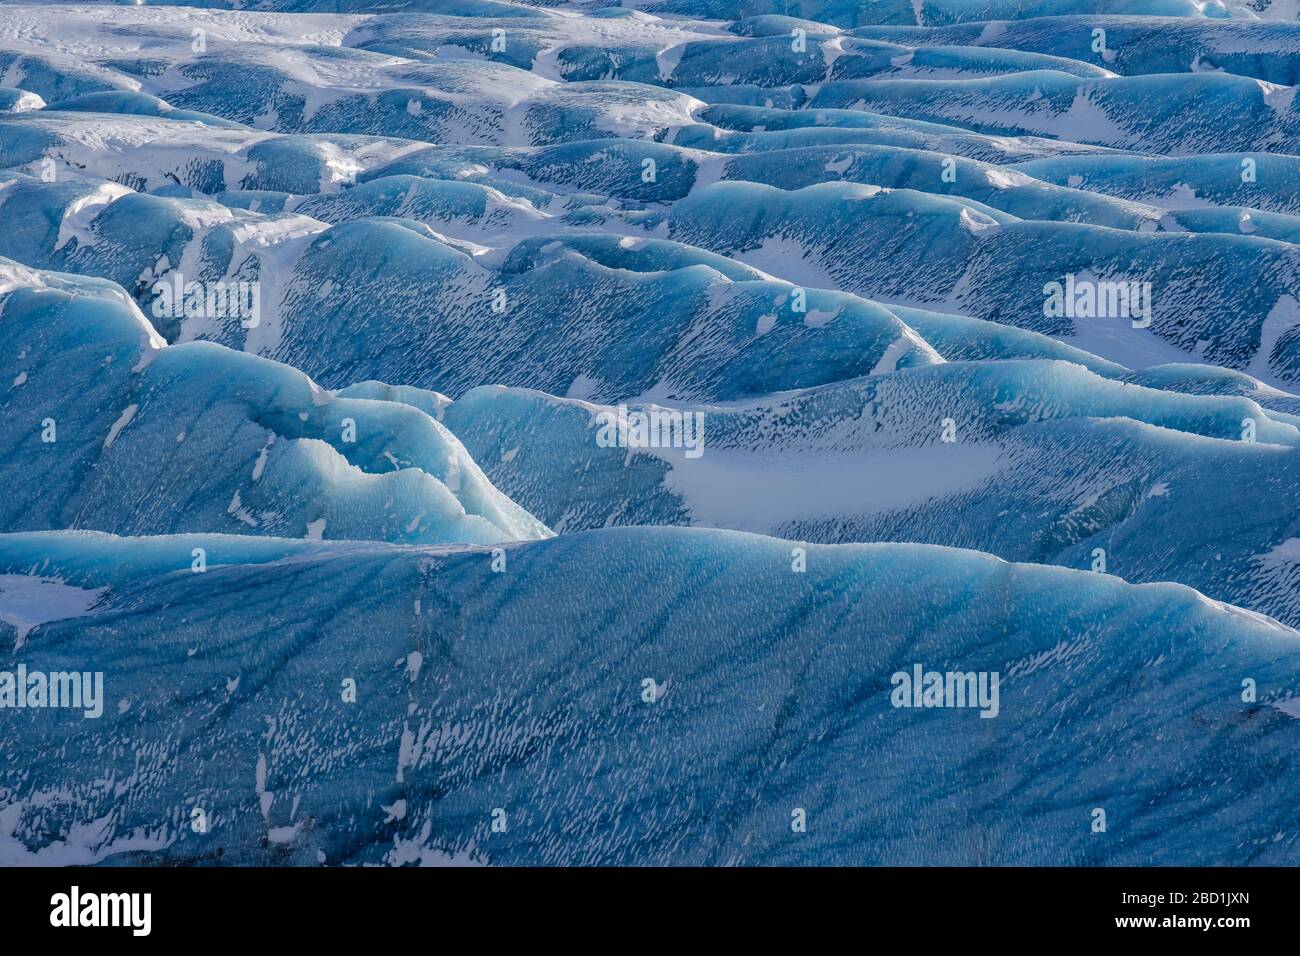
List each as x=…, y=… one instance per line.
x=492, y=432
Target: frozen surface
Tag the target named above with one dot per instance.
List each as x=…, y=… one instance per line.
x=521, y=690
x=372, y=564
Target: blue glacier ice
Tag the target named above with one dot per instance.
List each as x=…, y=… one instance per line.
x=521, y=691
x=108, y=427
x=532, y=432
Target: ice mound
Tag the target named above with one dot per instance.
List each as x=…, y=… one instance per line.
x=377, y=704
x=110, y=429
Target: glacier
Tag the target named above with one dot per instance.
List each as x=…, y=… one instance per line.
x=522, y=691
x=347, y=351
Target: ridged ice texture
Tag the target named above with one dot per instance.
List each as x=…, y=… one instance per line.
x=521, y=690
x=482, y=231
x=146, y=438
